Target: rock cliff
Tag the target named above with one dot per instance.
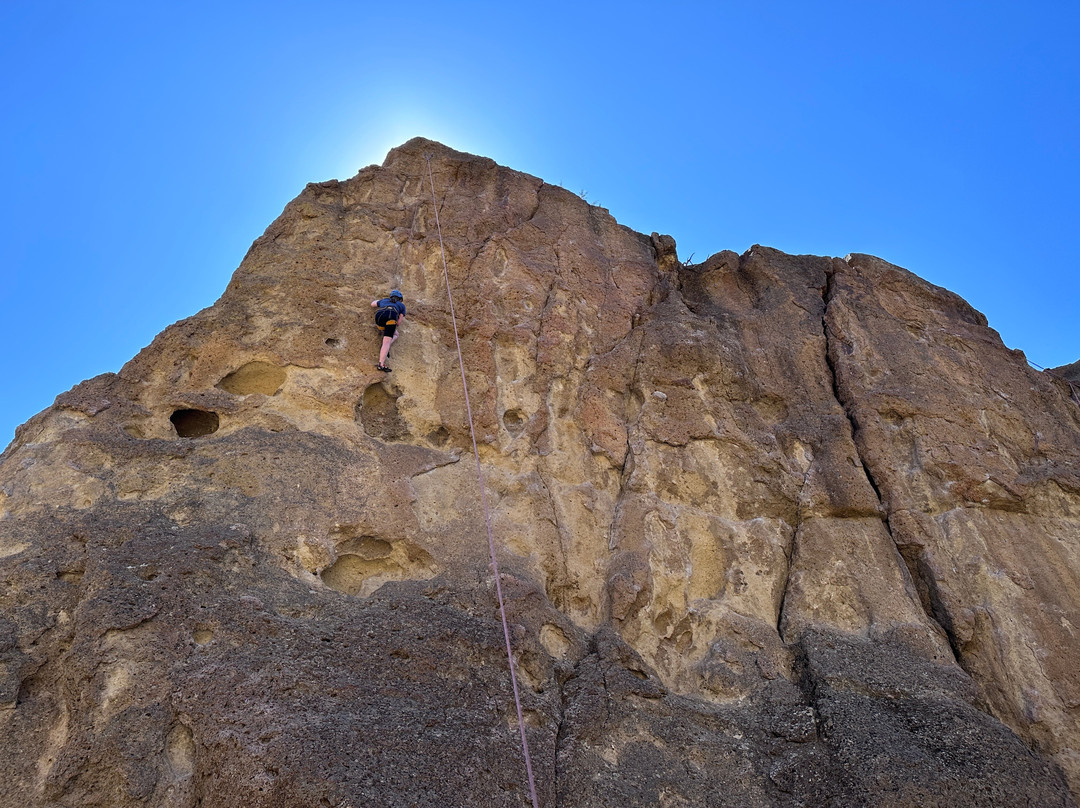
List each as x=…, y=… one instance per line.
x=775, y=530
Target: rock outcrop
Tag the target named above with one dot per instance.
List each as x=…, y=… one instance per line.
x=776, y=530
x=1070, y=373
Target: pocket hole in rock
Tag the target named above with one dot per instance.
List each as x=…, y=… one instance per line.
x=378, y=413
x=366, y=547
x=514, y=421
x=369, y=566
x=194, y=423
x=202, y=635
x=554, y=640
x=440, y=436
x=254, y=377
x=333, y=342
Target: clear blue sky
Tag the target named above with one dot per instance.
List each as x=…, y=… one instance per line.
x=145, y=145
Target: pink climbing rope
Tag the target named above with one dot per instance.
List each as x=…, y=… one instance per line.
x=483, y=501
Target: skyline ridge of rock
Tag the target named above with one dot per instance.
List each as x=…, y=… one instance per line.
x=776, y=530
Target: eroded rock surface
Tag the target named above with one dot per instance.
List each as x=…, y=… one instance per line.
x=777, y=530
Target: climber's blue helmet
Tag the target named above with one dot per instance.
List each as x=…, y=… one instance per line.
x=395, y=294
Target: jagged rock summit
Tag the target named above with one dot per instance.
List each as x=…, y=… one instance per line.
x=776, y=530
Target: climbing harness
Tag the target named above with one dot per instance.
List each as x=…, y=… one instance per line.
x=385, y=316
x=484, y=503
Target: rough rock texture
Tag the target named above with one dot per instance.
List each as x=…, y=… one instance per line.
x=1069, y=372
x=777, y=530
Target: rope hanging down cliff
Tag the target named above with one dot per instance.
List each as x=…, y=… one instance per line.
x=484, y=503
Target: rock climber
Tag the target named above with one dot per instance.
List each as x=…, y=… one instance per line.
x=389, y=314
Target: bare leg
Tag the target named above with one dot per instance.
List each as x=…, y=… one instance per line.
x=386, y=343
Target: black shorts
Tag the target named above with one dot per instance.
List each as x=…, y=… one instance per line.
x=386, y=319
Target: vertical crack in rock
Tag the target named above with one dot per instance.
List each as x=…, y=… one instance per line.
x=934, y=604
x=634, y=400
x=629, y=461
x=808, y=685
x=558, y=587
x=479, y=251
x=847, y=407
x=787, y=585
x=561, y=730
x=536, y=207
x=540, y=331
x=789, y=552
x=934, y=610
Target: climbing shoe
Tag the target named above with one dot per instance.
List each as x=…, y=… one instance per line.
x=383, y=368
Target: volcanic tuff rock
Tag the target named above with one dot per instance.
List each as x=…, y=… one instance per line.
x=776, y=530
x=1069, y=373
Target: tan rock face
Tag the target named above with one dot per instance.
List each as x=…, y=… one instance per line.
x=775, y=530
